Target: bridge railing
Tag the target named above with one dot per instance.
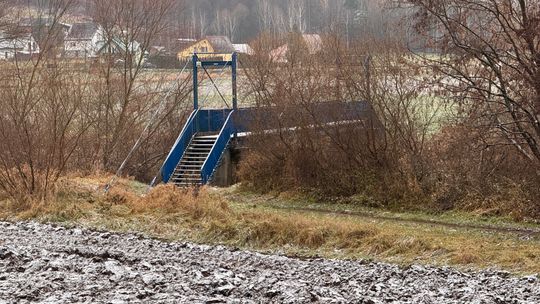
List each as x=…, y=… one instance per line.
x=218, y=149
x=179, y=147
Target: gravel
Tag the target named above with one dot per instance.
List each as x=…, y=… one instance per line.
x=53, y=264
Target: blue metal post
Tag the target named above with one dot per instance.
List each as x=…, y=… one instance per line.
x=195, y=83
x=234, y=88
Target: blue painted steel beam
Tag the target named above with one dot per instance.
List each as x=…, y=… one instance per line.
x=195, y=83
x=234, y=87
x=216, y=63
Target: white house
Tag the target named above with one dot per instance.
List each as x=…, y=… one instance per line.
x=82, y=40
x=17, y=45
x=89, y=40
x=116, y=46
x=243, y=48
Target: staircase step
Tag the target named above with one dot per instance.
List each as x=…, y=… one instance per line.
x=192, y=163
x=187, y=180
x=197, y=152
x=206, y=137
x=198, y=139
x=182, y=174
x=195, y=170
x=202, y=144
x=196, y=156
x=179, y=184
x=198, y=148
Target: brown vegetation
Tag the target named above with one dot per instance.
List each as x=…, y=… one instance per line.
x=442, y=143
x=59, y=116
x=212, y=216
x=441, y=139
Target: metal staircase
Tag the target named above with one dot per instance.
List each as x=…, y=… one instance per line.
x=188, y=171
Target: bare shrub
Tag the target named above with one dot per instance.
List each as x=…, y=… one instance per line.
x=380, y=154
x=172, y=199
x=488, y=65
x=126, y=94
x=490, y=180
x=42, y=121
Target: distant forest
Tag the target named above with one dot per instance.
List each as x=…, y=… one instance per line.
x=244, y=20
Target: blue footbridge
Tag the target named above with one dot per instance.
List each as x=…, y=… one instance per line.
x=208, y=134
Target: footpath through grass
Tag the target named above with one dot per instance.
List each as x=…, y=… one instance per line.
x=263, y=223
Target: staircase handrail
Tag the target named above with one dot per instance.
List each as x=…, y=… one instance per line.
x=221, y=143
x=179, y=148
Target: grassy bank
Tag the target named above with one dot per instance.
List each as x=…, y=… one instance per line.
x=253, y=222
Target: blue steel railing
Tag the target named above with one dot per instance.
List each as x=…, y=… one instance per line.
x=179, y=148
x=211, y=162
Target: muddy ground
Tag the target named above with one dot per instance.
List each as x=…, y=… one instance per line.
x=51, y=264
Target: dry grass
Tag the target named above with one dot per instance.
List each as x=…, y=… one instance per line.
x=207, y=216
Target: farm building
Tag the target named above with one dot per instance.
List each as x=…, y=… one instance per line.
x=115, y=46
x=21, y=45
x=49, y=34
x=209, y=44
x=81, y=40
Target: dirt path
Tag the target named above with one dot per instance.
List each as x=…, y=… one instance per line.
x=48, y=264
x=268, y=202
x=514, y=230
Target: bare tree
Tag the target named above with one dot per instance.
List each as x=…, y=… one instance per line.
x=491, y=63
x=43, y=118
x=231, y=20
x=128, y=29
x=297, y=16
x=202, y=23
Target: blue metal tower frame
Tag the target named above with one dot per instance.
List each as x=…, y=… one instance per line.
x=214, y=63
x=219, y=121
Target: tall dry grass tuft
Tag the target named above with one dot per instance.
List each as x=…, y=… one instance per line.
x=192, y=202
x=211, y=217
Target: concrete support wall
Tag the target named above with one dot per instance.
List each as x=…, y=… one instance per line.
x=224, y=175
